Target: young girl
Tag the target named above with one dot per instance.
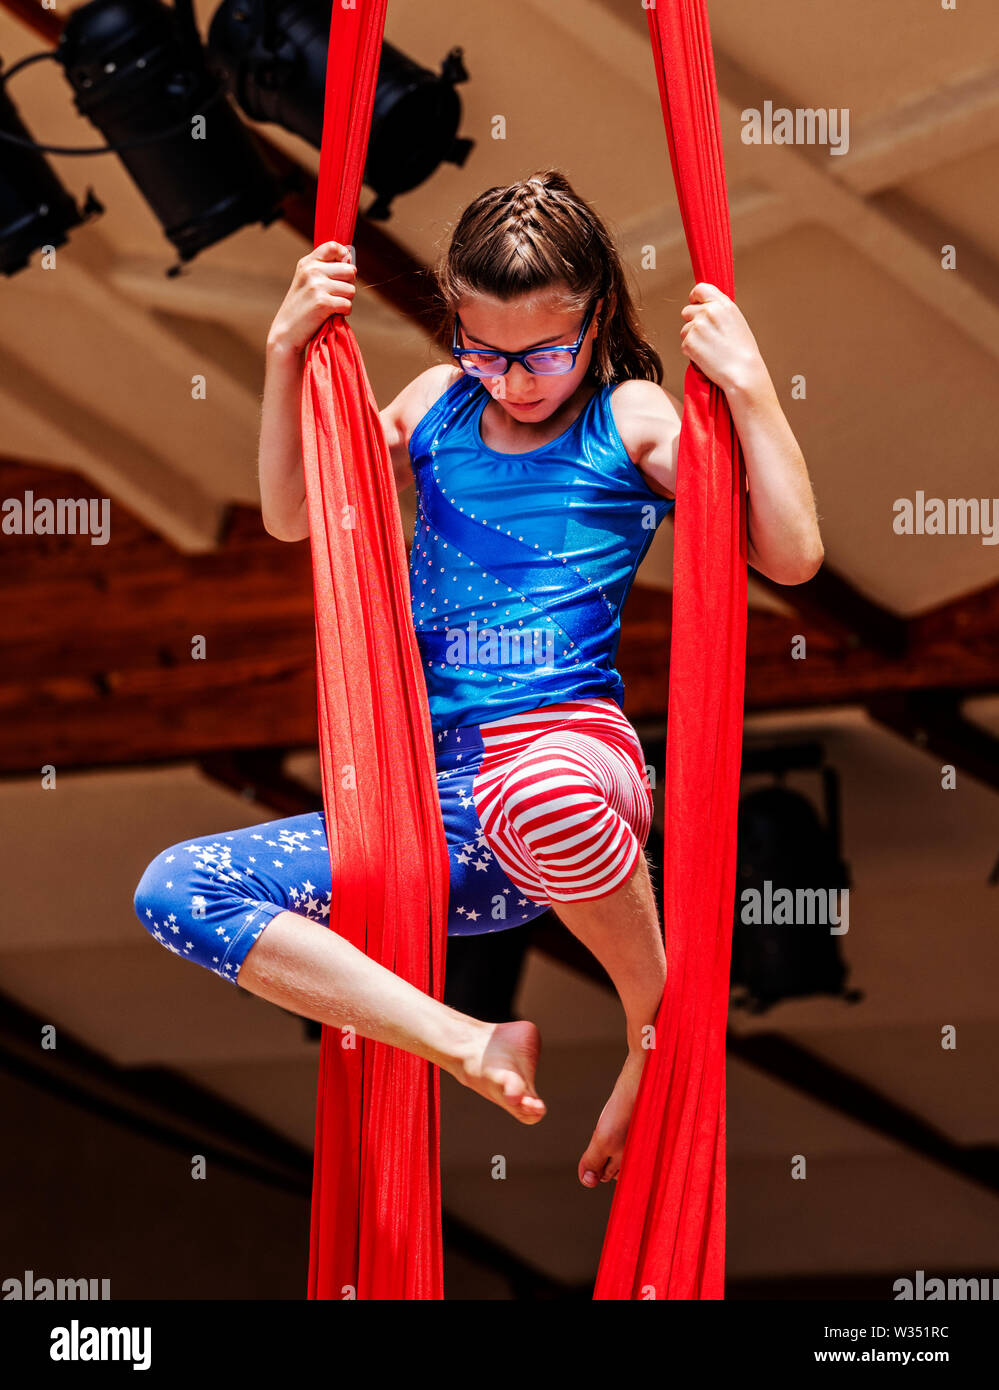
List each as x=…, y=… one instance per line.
x=545, y=457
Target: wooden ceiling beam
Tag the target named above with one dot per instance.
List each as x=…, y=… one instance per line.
x=100, y=664
x=788, y=1062
x=258, y=775
x=932, y=720
x=892, y=243
x=165, y=1106
x=384, y=264
x=832, y=601
x=925, y=133
x=849, y=658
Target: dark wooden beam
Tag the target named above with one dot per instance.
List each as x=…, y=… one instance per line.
x=98, y=668
x=384, y=265
x=153, y=1102
x=97, y=643
x=258, y=774
x=956, y=647
x=45, y=23
x=933, y=721
x=785, y=1060
x=831, y=602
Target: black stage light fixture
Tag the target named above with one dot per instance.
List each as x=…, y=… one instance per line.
x=35, y=208
x=139, y=74
x=789, y=854
x=273, y=55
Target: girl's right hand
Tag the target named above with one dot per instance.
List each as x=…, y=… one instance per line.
x=323, y=284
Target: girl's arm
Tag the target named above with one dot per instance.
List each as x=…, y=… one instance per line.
x=279, y=456
x=323, y=284
x=783, y=527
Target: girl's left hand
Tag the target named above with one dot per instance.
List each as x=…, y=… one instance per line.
x=718, y=339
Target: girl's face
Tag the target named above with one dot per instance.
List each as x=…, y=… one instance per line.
x=514, y=325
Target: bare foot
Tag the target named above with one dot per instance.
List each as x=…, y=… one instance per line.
x=602, y=1160
x=500, y=1066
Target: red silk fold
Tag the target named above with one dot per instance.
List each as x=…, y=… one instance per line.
x=376, y=1216
x=376, y=1186
x=666, y=1233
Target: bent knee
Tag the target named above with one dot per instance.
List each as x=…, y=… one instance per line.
x=212, y=924
x=172, y=892
x=552, y=771
x=157, y=889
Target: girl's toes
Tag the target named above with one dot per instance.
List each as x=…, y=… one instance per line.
x=591, y=1168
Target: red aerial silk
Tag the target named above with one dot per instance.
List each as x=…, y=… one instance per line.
x=376, y=1187
x=376, y=1217
x=666, y=1234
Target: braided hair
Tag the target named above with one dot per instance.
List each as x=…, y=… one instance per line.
x=539, y=234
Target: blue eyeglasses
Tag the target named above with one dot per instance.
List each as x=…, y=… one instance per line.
x=546, y=361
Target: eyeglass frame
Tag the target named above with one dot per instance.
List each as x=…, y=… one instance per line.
x=510, y=357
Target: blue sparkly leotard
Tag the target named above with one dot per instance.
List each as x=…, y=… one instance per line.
x=521, y=563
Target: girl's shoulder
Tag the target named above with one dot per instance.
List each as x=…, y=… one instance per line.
x=640, y=408
x=647, y=417
x=420, y=394
x=416, y=400
x=430, y=394
x=429, y=387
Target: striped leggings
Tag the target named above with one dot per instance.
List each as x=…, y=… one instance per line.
x=563, y=799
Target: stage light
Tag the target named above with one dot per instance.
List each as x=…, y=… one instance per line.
x=35, y=209
x=139, y=75
x=789, y=900
x=138, y=72
x=273, y=55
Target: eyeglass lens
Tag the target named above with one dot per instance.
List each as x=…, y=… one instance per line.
x=543, y=363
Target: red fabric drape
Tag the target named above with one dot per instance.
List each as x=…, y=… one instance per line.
x=666, y=1234
x=376, y=1219
x=376, y=1188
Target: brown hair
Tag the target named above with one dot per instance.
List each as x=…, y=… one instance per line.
x=539, y=234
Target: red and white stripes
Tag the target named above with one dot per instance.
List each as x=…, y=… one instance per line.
x=563, y=799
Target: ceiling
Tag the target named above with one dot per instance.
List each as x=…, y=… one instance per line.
x=838, y=269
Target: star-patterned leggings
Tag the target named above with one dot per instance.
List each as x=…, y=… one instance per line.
x=561, y=790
